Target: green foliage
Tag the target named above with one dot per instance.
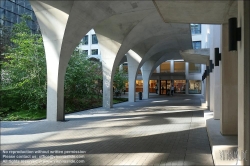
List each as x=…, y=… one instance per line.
x=23, y=78
x=120, y=78
x=83, y=82
x=24, y=70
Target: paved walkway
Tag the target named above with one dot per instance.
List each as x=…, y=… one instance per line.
x=159, y=131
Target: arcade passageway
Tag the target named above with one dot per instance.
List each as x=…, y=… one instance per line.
x=158, y=131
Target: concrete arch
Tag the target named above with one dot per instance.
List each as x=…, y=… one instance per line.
x=62, y=29
x=148, y=68
x=158, y=46
x=140, y=32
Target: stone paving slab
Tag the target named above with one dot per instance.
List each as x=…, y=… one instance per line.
x=159, y=131
x=224, y=148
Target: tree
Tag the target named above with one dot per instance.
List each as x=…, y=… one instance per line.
x=83, y=82
x=120, y=79
x=23, y=73
x=24, y=69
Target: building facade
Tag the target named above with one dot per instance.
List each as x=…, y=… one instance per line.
x=12, y=10
x=89, y=45
x=185, y=76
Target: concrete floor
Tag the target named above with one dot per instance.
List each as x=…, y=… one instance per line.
x=162, y=130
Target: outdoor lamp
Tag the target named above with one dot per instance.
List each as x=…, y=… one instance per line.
x=211, y=66
x=208, y=70
x=217, y=56
x=234, y=34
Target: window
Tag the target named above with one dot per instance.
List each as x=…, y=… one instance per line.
x=194, y=68
x=85, y=40
x=179, y=66
x=94, y=52
x=85, y=52
x=194, y=87
x=165, y=67
x=196, y=44
x=196, y=28
x=94, y=39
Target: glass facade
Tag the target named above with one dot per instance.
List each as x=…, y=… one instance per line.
x=195, y=28
x=139, y=86
x=179, y=86
x=194, y=68
x=85, y=52
x=194, y=87
x=165, y=67
x=94, y=52
x=196, y=44
x=165, y=86
x=85, y=40
x=11, y=11
x=152, y=84
x=179, y=66
x=94, y=39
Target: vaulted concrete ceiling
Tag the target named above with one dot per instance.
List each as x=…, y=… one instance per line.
x=146, y=27
x=197, y=11
x=143, y=30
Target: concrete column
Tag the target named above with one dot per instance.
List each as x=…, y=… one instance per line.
x=171, y=66
x=158, y=69
x=208, y=91
x=215, y=81
x=211, y=90
x=109, y=49
x=146, y=72
x=133, y=64
x=244, y=82
x=187, y=74
x=229, y=80
x=57, y=56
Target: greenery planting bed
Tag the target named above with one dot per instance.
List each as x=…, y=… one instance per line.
x=23, y=77
x=8, y=115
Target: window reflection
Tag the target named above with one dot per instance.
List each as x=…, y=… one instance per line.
x=194, y=68
x=179, y=66
x=194, y=87
x=165, y=67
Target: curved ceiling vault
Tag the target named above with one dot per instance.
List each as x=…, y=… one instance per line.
x=149, y=28
x=141, y=30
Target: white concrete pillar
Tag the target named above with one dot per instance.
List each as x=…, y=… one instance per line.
x=211, y=89
x=133, y=64
x=214, y=38
x=57, y=56
x=158, y=69
x=215, y=82
x=244, y=82
x=146, y=72
x=171, y=66
x=229, y=80
x=109, y=49
x=187, y=79
x=208, y=91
